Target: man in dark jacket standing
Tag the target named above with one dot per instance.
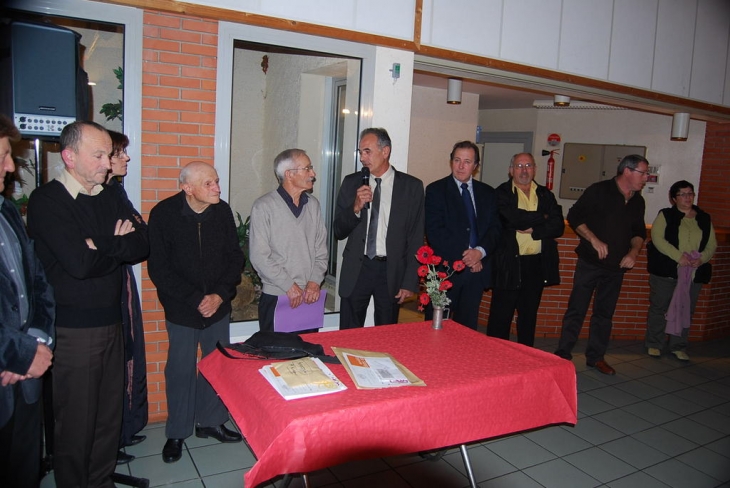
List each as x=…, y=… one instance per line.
x=462, y=224
x=609, y=219
x=26, y=332
x=195, y=262
x=527, y=258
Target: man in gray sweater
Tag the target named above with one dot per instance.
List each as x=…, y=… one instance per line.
x=288, y=240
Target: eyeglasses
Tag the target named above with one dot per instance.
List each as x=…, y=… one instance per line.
x=306, y=168
x=645, y=173
x=685, y=195
x=523, y=165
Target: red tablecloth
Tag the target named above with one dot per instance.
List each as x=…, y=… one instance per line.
x=477, y=387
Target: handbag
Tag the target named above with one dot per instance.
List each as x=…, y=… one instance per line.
x=277, y=345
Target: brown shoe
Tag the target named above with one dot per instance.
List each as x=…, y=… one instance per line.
x=603, y=367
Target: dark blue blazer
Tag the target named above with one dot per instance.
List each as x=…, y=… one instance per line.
x=17, y=348
x=447, y=226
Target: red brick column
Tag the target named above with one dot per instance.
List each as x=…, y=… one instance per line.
x=178, y=114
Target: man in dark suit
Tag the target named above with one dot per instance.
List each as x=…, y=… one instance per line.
x=26, y=331
x=383, y=224
x=457, y=231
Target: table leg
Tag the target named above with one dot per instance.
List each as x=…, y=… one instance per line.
x=288, y=478
x=467, y=465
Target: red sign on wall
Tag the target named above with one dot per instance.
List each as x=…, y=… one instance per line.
x=553, y=140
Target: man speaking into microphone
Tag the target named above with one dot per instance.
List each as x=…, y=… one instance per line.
x=380, y=213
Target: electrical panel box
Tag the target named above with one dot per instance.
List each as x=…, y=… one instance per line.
x=585, y=164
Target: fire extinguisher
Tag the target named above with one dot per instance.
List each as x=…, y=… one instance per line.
x=550, y=168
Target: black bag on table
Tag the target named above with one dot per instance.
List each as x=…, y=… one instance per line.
x=277, y=345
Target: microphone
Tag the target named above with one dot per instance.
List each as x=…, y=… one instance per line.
x=366, y=181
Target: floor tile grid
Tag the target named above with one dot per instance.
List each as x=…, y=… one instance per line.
x=619, y=356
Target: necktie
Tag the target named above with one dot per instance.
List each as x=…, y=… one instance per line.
x=373, y=227
x=470, y=214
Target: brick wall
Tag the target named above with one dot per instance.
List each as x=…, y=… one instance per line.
x=178, y=114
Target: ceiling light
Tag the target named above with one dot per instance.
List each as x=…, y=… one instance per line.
x=561, y=101
x=453, y=92
x=680, y=127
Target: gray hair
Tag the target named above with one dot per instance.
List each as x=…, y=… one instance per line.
x=631, y=161
x=380, y=133
x=512, y=160
x=285, y=161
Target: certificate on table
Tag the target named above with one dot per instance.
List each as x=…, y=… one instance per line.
x=305, y=316
x=301, y=378
x=370, y=369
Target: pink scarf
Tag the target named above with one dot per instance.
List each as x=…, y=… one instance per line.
x=678, y=314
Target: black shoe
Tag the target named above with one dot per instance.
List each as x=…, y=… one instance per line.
x=172, y=451
x=124, y=458
x=220, y=433
x=136, y=439
x=562, y=354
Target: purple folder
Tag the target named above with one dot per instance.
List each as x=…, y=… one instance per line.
x=305, y=316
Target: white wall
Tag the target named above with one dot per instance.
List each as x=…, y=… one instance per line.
x=678, y=47
x=435, y=127
x=519, y=120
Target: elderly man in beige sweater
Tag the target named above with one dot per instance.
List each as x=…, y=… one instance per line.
x=288, y=241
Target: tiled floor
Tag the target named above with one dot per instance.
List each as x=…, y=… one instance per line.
x=657, y=423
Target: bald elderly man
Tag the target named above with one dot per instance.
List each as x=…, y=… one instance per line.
x=195, y=262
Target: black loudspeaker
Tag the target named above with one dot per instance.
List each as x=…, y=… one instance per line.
x=39, y=73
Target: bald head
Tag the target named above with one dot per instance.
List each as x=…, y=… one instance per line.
x=200, y=183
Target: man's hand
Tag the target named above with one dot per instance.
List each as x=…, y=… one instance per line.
x=10, y=378
x=471, y=257
x=476, y=268
x=41, y=362
x=122, y=228
x=364, y=195
x=403, y=295
x=629, y=260
x=602, y=249
x=311, y=292
x=296, y=295
x=209, y=305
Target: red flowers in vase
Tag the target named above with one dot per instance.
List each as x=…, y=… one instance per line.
x=435, y=274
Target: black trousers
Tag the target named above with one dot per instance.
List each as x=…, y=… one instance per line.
x=525, y=299
x=587, y=280
x=20, y=444
x=88, y=380
x=371, y=282
x=267, y=307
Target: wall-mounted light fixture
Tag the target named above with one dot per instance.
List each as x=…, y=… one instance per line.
x=453, y=91
x=561, y=101
x=680, y=127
